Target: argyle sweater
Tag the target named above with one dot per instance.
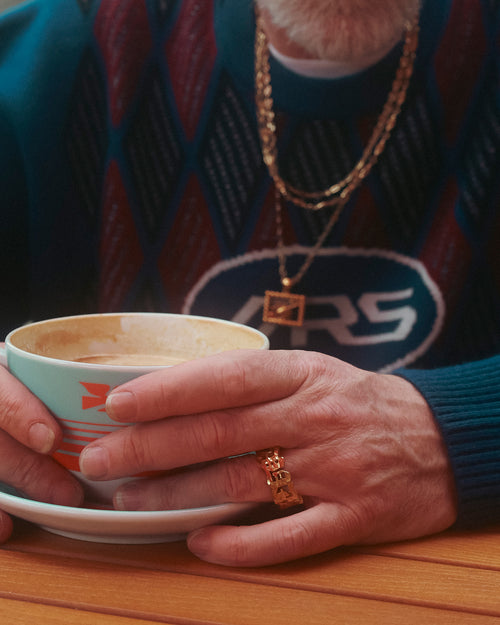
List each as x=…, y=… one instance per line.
x=131, y=178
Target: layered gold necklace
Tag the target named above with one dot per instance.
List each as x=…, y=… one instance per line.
x=286, y=308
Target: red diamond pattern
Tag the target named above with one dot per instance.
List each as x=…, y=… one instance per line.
x=191, y=54
x=123, y=33
x=191, y=249
x=120, y=251
x=457, y=72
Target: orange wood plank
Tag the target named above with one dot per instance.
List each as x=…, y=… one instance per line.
x=21, y=612
x=345, y=572
x=480, y=549
x=174, y=597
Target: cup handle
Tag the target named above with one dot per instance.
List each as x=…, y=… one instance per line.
x=3, y=355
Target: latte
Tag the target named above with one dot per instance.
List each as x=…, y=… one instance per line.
x=134, y=360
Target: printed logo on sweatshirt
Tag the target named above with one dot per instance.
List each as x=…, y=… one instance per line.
x=373, y=308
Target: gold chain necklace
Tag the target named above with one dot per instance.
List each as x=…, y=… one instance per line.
x=286, y=308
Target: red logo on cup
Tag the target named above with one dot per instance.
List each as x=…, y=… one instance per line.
x=98, y=395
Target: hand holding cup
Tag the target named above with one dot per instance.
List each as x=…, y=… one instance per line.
x=362, y=448
x=71, y=364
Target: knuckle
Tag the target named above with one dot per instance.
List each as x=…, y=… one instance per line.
x=136, y=451
x=156, y=495
x=238, y=484
x=356, y=521
x=240, y=550
x=27, y=471
x=160, y=399
x=305, y=365
x=12, y=408
x=313, y=367
x=212, y=435
x=312, y=373
x=231, y=379
x=296, y=539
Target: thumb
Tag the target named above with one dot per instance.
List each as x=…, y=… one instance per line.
x=305, y=533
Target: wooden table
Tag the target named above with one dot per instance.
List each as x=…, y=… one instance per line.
x=450, y=578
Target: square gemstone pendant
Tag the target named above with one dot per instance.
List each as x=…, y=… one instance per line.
x=285, y=309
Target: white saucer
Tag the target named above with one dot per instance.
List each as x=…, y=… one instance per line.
x=113, y=526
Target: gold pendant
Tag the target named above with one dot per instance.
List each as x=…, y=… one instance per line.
x=282, y=308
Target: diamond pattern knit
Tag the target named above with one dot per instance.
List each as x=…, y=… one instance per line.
x=131, y=178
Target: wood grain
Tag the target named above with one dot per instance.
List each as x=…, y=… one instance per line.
x=451, y=578
x=21, y=612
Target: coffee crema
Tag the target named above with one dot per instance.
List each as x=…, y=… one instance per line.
x=134, y=360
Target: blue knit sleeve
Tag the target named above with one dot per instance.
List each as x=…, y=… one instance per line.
x=465, y=400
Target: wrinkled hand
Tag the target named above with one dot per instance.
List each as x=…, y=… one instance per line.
x=28, y=435
x=362, y=449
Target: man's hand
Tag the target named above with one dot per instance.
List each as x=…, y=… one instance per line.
x=362, y=448
x=28, y=435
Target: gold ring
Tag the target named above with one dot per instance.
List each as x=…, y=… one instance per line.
x=280, y=481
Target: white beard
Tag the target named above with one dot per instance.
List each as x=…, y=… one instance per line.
x=342, y=30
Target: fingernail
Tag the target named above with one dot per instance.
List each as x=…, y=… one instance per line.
x=41, y=438
x=128, y=497
x=94, y=462
x=121, y=406
x=197, y=542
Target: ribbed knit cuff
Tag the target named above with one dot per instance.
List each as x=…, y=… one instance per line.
x=465, y=400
